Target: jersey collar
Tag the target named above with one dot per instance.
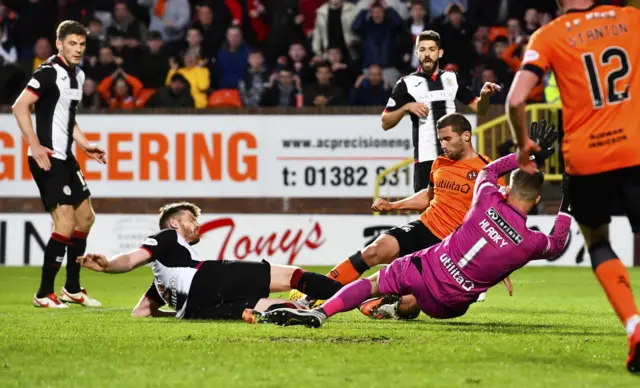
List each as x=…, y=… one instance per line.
x=573, y=10
x=57, y=59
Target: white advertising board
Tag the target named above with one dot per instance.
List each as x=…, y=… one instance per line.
x=227, y=156
x=282, y=239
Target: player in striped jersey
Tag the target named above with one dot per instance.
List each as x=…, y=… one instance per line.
x=56, y=89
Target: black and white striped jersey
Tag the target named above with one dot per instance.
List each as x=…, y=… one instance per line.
x=59, y=89
x=174, y=264
x=439, y=92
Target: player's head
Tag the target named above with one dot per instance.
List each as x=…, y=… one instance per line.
x=183, y=217
x=454, y=133
x=568, y=4
x=71, y=41
x=428, y=50
x=524, y=189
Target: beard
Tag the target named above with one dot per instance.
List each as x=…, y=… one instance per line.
x=434, y=66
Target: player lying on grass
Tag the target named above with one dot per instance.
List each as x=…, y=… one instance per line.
x=444, y=205
x=447, y=278
x=198, y=289
x=394, y=306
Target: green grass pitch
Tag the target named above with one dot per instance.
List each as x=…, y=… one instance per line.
x=556, y=331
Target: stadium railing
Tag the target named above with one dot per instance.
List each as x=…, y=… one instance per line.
x=489, y=136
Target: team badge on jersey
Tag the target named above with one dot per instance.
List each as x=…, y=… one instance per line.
x=67, y=190
x=472, y=175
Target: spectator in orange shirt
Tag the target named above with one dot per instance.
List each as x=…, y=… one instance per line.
x=121, y=90
x=512, y=56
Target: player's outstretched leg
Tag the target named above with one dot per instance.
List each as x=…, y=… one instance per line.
x=348, y=298
x=382, y=251
x=72, y=292
x=317, y=286
x=614, y=279
x=63, y=224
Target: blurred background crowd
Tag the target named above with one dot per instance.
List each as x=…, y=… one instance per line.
x=257, y=53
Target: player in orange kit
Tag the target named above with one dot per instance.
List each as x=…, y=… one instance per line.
x=447, y=200
x=594, y=54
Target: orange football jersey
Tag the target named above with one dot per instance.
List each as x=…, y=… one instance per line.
x=595, y=57
x=453, y=183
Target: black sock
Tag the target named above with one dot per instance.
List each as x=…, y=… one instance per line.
x=357, y=261
x=79, y=241
x=315, y=285
x=53, y=256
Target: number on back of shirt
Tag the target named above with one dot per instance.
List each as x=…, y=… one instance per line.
x=609, y=94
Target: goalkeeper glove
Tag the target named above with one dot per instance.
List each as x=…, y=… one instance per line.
x=565, y=204
x=545, y=136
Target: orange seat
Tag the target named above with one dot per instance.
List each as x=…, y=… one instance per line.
x=225, y=98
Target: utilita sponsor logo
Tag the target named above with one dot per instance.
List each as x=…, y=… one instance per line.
x=288, y=241
x=451, y=185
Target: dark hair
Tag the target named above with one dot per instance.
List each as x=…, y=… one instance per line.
x=254, y=50
x=70, y=27
x=154, y=35
x=171, y=209
x=429, y=35
x=417, y=2
x=95, y=21
x=526, y=186
x=324, y=64
x=378, y=4
x=459, y=124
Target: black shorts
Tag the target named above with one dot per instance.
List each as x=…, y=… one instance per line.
x=224, y=289
x=63, y=184
x=413, y=237
x=593, y=197
x=421, y=175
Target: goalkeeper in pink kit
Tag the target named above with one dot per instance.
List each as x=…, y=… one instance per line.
x=492, y=242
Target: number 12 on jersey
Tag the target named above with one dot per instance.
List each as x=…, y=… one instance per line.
x=593, y=77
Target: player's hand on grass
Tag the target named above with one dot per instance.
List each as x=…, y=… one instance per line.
x=93, y=261
x=41, y=155
x=489, y=89
x=382, y=205
x=544, y=135
x=95, y=152
x=417, y=108
x=507, y=283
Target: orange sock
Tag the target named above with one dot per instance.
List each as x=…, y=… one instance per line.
x=344, y=273
x=614, y=278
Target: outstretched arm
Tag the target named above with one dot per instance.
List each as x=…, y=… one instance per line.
x=487, y=180
x=120, y=263
x=553, y=244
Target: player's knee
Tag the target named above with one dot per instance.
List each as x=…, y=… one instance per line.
x=601, y=252
x=595, y=236
x=379, y=252
x=63, y=220
x=85, y=220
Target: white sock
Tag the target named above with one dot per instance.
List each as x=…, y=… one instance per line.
x=631, y=324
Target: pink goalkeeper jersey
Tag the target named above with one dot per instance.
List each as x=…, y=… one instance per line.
x=492, y=242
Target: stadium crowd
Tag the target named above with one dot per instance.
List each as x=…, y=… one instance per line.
x=254, y=53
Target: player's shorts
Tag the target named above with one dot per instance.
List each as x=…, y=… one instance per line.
x=63, y=184
x=224, y=289
x=421, y=175
x=593, y=196
x=404, y=277
x=413, y=237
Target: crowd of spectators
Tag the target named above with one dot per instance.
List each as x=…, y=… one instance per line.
x=252, y=53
